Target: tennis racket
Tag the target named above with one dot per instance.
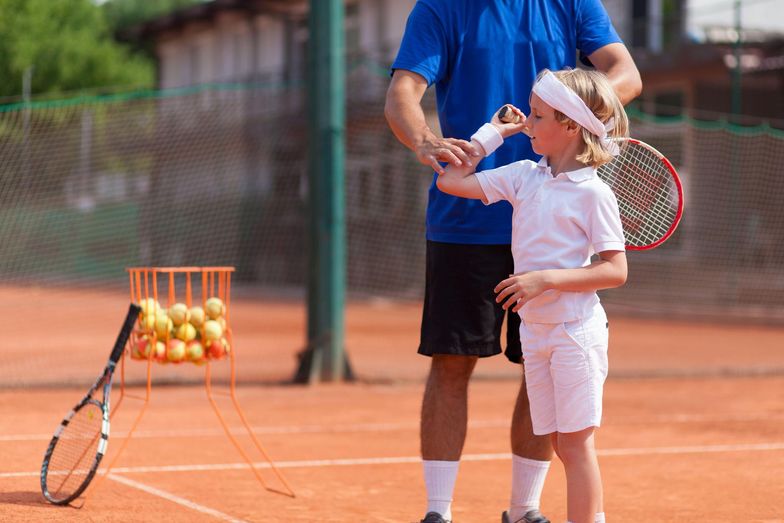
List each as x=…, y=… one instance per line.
x=647, y=187
x=79, y=443
x=649, y=194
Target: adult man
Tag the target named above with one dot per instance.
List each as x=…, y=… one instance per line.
x=481, y=54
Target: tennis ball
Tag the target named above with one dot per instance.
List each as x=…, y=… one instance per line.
x=197, y=316
x=212, y=330
x=194, y=351
x=214, y=308
x=149, y=306
x=147, y=322
x=141, y=348
x=222, y=322
x=175, y=351
x=160, y=351
x=185, y=332
x=215, y=349
x=163, y=325
x=179, y=314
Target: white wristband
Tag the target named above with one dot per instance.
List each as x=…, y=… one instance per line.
x=489, y=138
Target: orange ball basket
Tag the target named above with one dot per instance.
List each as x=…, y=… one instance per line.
x=173, y=331
x=183, y=327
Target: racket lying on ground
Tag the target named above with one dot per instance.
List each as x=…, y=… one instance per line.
x=649, y=194
x=647, y=187
x=79, y=443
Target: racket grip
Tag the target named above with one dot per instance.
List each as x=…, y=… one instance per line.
x=506, y=115
x=125, y=332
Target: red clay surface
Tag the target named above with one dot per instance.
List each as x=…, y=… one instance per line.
x=693, y=428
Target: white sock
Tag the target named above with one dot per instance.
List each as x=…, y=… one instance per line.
x=440, y=479
x=528, y=477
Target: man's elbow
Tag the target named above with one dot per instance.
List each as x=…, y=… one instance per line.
x=635, y=85
x=389, y=108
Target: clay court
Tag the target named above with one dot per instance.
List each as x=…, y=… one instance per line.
x=693, y=427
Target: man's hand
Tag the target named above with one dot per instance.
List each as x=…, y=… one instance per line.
x=519, y=289
x=449, y=150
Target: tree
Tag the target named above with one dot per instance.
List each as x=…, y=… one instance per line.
x=70, y=45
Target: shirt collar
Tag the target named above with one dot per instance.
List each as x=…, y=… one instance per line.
x=578, y=175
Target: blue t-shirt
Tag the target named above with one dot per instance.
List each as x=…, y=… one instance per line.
x=482, y=54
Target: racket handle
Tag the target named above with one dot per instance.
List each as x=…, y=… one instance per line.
x=125, y=332
x=506, y=115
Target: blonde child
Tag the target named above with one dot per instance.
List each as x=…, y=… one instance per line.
x=562, y=215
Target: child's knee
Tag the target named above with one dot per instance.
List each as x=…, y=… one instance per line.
x=575, y=446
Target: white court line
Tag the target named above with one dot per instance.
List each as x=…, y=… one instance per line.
x=174, y=499
x=392, y=427
x=641, y=451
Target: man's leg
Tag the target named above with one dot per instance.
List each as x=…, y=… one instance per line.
x=530, y=460
x=443, y=427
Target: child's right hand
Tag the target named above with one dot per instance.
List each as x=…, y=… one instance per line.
x=508, y=129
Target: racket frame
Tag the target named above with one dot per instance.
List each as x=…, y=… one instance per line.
x=104, y=382
x=678, y=186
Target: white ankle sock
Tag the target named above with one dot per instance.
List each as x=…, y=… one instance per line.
x=599, y=518
x=528, y=477
x=440, y=479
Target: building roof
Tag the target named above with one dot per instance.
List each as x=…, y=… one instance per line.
x=207, y=11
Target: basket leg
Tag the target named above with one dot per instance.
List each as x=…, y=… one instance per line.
x=208, y=385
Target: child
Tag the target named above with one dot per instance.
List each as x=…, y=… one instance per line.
x=563, y=213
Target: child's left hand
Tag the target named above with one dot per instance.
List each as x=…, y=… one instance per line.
x=520, y=288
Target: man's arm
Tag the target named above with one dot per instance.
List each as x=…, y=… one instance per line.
x=406, y=118
x=615, y=61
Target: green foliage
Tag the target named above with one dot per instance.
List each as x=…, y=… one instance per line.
x=70, y=45
x=122, y=14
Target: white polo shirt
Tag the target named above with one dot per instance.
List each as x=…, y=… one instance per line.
x=557, y=223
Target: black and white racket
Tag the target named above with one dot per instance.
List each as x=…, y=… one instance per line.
x=79, y=443
x=649, y=194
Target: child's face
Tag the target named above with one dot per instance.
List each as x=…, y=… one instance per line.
x=548, y=135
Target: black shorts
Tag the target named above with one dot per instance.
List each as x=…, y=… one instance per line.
x=460, y=315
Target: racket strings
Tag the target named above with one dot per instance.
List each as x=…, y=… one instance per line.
x=647, y=195
x=73, y=456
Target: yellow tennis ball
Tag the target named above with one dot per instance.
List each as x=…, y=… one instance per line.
x=197, y=316
x=163, y=325
x=147, y=322
x=214, y=308
x=212, y=330
x=185, y=332
x=160, y=351
x=179, y=314
x=194, y=351
x=176, y=350
x=149, y=306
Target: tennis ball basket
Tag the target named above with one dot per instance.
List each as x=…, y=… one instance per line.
x=186, y=319
x=185, y=314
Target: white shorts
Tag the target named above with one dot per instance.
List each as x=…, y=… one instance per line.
x=565, y=368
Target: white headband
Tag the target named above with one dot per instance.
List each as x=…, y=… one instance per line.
x=558, y=96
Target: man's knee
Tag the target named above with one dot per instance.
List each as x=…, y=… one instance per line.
x=448, y=368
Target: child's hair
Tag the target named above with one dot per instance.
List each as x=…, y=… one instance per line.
x=596, y=91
